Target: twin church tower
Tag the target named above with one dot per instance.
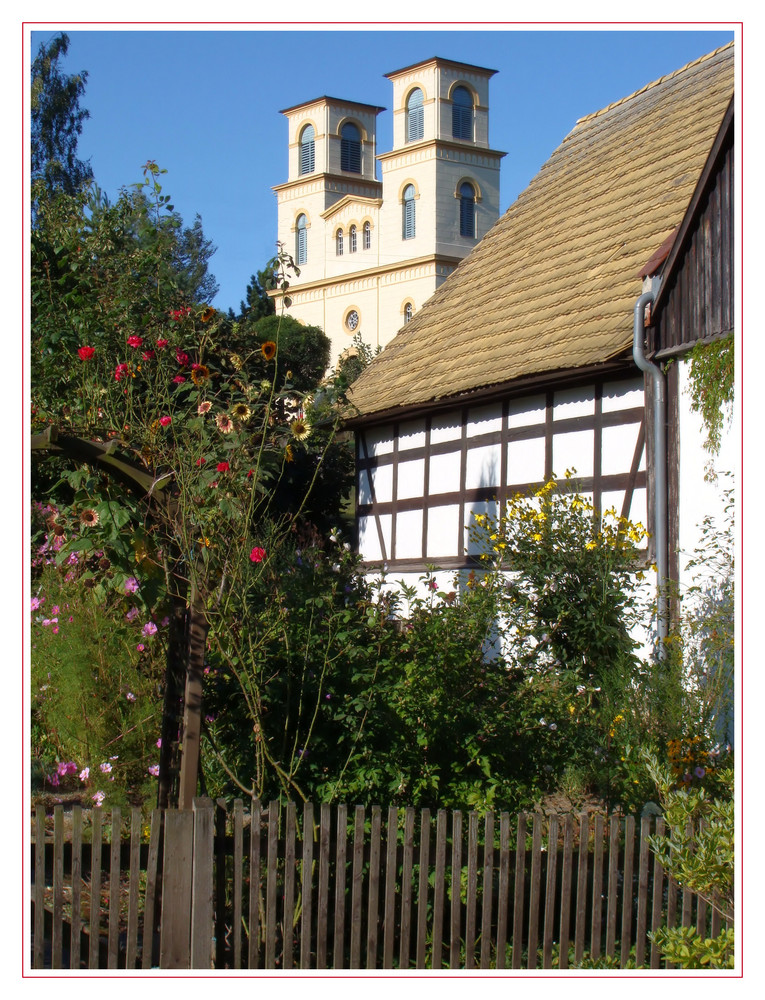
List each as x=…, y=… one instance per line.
x=372, y=251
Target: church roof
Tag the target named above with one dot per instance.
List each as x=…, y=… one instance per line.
x=553, y=284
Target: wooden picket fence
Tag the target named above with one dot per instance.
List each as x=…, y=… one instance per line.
x=340, y=889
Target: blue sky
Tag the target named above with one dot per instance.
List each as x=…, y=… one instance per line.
x=205, y=105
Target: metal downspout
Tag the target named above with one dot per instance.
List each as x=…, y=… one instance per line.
x=660, y=465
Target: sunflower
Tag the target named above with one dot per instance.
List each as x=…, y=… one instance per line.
x=288, y=456
x=300, y=429
x=88, y=518
x=208, y=314
x=241, y=412
x=224, y=423
x=204, y=407
x=200, y=374
x=268, y=349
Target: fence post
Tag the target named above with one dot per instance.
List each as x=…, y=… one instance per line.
x=175, y=940
x=202, y=885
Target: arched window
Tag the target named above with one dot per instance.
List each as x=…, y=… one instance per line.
x=367, y=236
x=467, y=210
x=462, y=113
x=350, y=148
x=408, y=220
x=307, y=153
x=339, y=243
x=415, y=116
x=408, y=312
x=301, y=241
x=352, y=239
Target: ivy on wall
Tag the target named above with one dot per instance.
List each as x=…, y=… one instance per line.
x=711, y=381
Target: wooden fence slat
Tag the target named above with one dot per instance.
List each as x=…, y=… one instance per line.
x=76, y=924
x=357, y=887
x=253, y=948
x=534, y=891
x=237, y=877
x=597, y=889
x=202, y=914
x=288, y=935
x=613, y=868
x=422, y=889
x=95, y=886
x=272, y=872
x=627, y=892
x=38, y=956
x=437, y=961
x=149, y=902
x=503, y=894
x=114, y=888
x=487, y=889
x=220, y=883
x=456, y=889
x=716, y=923
x=175, y=940
x=373, y=902
x=340, y=850
x=406, y=889
x=306, y=888
x=567, y=875
x=472, y=891
x=581, y=887
x=322, y=916
x=657, y=895
x=520, y=888
x=131, y=949
x=642, y=912
x=552, y=873
x=58, y=888
x=389, y=932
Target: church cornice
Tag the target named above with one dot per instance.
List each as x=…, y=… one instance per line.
x=434, y=145
x=350, y=199
x=310, y=180
x=437, y=260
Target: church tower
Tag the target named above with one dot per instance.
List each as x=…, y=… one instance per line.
x=371, y=252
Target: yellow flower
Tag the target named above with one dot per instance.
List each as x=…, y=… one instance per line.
x=537, y=537
x=300, y=429
x=268, y=349
x=288, y=456
x=200, y=374
x=208, y=314
x=240, y=411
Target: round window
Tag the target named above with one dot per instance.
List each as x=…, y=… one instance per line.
x=352, y=320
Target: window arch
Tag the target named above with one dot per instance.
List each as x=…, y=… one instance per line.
x=367, y=235
x=408, y=214
x=415, y=116
x=301, y=240
x=339, y=243
x=307, y=150
x=467, y=210
x=352, y=246
x=408, y=312
x=462, y=113
x=350, y=148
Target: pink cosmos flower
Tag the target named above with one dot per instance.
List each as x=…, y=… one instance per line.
x=131, y=585
x=133, y=613
x=84, y=774
x=154, y=770
x=258, y=555
x=130, y=696
x=105, y=768
x=179, y=378
x=165, y=421
x=98, y=798
x=37, y=602
x=140, y=647
x=149, y=629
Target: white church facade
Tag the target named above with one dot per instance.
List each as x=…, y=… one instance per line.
x=370, y=252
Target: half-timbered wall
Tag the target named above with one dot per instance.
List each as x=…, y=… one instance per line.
x=420, y=481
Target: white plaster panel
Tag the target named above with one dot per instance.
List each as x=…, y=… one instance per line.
x=379, y=441
x=618, y=448
x=622, y=395
x=574, y=403
x=409, y=534
x=573, y=451
x=445, y=473
x=490, y=507
x=411, y=479
x=484, y=420
x=411, y=435
x=369, y=539
x=483, y=466
x=612, y=499
x=446, y=427
x=443, y=531
x=526, y=412
x=382, y=478
x=526, y=461
x=365, y=487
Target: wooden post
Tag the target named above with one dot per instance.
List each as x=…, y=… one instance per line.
x=192, y=702
x=202, y=886
x=175, y=943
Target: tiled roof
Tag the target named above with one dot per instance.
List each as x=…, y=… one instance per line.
x=553, y=284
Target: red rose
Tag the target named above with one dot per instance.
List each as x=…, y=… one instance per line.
x=165, y=421
x=181, y=357
x=223, y=467
x=121, y=371
x=134, y=341
x=258, y=555
x=162, y=343
x=86, y=353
